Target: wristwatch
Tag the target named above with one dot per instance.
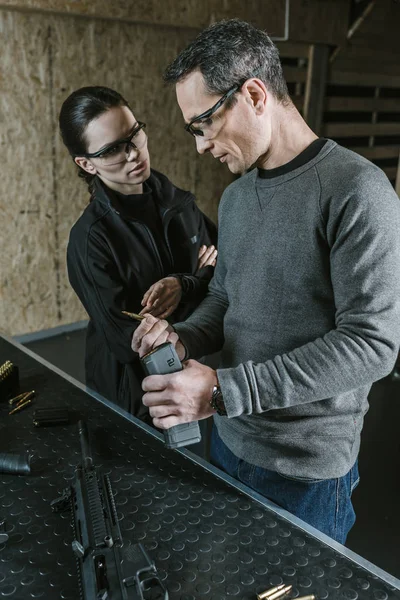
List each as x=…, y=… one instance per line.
x=217, y=401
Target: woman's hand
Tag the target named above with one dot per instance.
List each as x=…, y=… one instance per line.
x=162, y=298
x=207, y=257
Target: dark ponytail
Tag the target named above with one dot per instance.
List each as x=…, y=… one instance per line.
x=77, y=111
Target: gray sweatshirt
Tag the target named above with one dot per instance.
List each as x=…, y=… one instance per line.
x=305, y=303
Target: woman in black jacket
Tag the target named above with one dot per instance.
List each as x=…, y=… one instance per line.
x=141, y=244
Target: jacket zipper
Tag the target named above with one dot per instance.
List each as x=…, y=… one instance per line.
x=156, y=252
x=165, y=228
x=165, y=225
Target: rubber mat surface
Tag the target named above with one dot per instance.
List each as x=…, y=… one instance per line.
x=208, y=539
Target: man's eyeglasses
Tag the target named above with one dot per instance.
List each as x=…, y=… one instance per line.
x=207, y=114
x=118, y=151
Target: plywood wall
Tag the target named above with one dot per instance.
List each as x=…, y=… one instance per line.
x=195, y=14
x=44, y=58
x=50, y=48
x=316, y=21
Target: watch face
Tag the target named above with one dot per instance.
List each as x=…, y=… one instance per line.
x=217, y=401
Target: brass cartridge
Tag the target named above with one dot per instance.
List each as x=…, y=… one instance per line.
x=275, y=592
x=20, y=406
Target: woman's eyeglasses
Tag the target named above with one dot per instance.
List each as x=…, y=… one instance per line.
x=119, y=150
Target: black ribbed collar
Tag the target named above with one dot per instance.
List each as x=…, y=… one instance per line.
x=298, y=161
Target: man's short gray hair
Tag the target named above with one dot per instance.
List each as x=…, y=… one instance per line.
x=227, y=53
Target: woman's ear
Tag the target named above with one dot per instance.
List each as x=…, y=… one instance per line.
x=85, y=164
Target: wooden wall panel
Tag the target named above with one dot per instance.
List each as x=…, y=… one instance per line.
x=44, y=59
x=319, y=21
x=374, y=47
x=312, y=21
x=50, y=48
x=27, y=246
x=355, y=57
x=363, y=78
x=380, y=30
x=175, y=13
x=179, y=13
x=362, y=108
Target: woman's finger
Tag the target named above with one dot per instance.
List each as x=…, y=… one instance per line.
x=209, y=252
x=212, y=258
x=146, y=296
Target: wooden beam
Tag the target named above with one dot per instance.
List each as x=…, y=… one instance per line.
x=293, y=49
x=340, y=103
x=294, y=74
x=391, y=172
x=353, y=78
x=377, y=152
x=378, y=59
x=358, y=22
x=318, y=21
x=360, y=129
x=298, y=101
x=377, y=64
x=315, y=86
x=356, y=25
x=397, y=184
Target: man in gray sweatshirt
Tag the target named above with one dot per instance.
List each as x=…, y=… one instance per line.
x=305, y=300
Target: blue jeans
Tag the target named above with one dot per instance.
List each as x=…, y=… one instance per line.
x=323, y=503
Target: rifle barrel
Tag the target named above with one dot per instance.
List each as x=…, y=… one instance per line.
x=85, y=446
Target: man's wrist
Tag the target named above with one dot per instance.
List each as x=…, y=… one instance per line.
x=186, y=355
x=217, y=400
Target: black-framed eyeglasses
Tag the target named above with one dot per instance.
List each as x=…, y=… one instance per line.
x=213, y=109
x=117, y=151
x=207, y=114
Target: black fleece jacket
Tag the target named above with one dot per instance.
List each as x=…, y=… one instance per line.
x=112, y=261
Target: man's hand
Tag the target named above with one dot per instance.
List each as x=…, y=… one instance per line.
x=151, y=333
x=162, y=298
x=207, y=257
x=180, y=397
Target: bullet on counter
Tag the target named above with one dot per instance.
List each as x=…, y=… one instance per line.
x=21, y=398
x=17, y=398
x=272, y=590
x=5, y=369
x=20, y=406
x=274, y=593
x=280, y=593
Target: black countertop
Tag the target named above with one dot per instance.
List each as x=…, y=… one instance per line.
x=209, y=536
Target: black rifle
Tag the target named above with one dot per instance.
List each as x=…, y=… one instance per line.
x=104, y=575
